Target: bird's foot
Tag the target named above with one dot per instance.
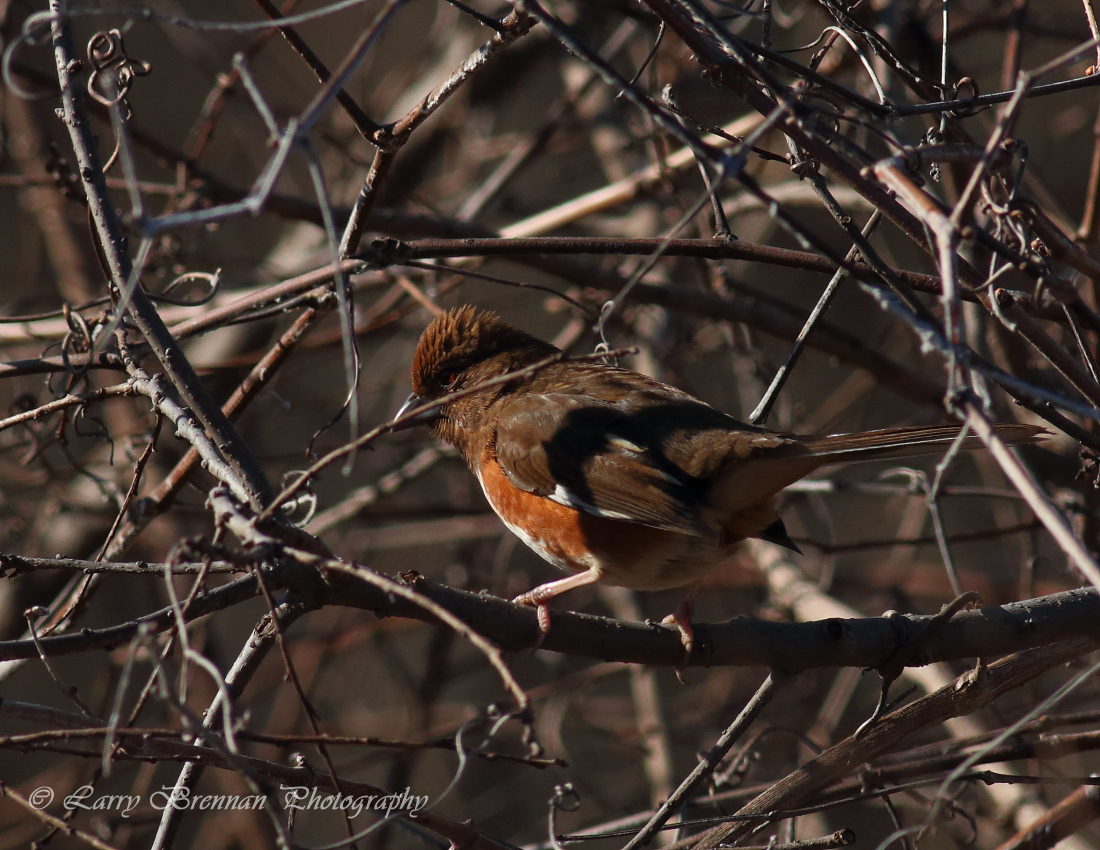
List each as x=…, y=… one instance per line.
x=542, y=612
x=684, y=627
x=545, y=592
x=681, y=619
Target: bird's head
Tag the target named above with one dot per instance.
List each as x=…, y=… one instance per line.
x=460, y=349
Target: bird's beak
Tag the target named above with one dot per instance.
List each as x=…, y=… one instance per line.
x=411, y=403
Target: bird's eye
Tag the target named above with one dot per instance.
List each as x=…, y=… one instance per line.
x=449, y=379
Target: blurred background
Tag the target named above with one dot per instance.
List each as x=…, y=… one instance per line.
x=532, y=143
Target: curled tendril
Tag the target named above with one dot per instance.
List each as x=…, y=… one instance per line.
x=212, y=279
x=36, y=31
x=953, y=810
x=972, y=107
x=306, y=503
x=107, y=55
x=564, y=799
x=97, y=431
x=76, y=322
x=78, y=339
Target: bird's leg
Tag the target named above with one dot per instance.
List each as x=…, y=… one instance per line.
x=545, y=592
x=681, y=619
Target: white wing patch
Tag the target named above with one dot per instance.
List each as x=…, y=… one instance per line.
x=564, y=496
x=627, y=447
x=624, y=444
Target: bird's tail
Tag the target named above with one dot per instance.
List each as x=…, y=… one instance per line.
x=742, y=496
x=909, y=442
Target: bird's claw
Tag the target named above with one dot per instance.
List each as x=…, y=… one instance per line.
x=681, y=619
x=542, y=614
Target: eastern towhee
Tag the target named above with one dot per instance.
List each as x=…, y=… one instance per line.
x=614, y=476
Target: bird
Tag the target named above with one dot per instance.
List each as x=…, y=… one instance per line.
x=613, y=476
